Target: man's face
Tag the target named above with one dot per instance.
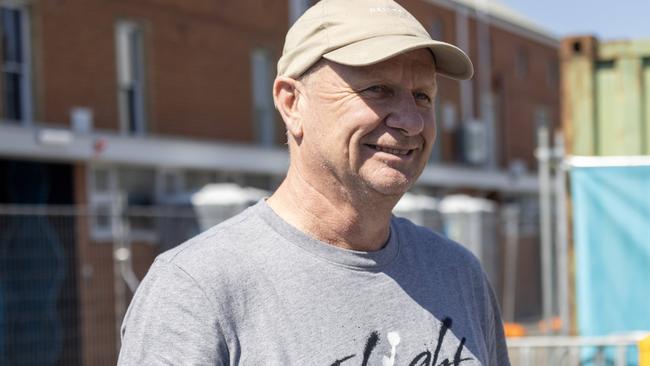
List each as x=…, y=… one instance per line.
x=370, y=128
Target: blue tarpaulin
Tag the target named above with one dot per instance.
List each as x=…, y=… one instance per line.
x=611, y=218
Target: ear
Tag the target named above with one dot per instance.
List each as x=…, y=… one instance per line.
x=286, y=97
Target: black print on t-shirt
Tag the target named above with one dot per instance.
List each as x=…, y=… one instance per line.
x=425, y=358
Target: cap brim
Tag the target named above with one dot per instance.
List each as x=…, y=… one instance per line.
x=450, y=60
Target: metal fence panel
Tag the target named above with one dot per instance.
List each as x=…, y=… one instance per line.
x=64, y=286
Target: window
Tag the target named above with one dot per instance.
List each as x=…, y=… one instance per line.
x=16, y=93
x=436, y=30
x=106, y=184
x=521, y=63
x=262, y=84
x=297, y=8
x=552, y=74
x=130, y=75
x=542, y=118
x=102, y=184
x=475, y=149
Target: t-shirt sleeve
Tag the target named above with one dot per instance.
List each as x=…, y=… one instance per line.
x=171, y=321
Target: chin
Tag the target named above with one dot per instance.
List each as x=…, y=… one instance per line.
x=389, y=181
x=391, y=187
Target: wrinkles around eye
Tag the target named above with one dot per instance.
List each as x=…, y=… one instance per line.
x=378, y=91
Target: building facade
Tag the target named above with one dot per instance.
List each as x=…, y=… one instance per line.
x=152, y=98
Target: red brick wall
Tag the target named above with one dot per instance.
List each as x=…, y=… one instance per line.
x=518, y=98
x=77, y=60
x=521, y=96
x=198, y=69
x=196, y=57
x=97, y=320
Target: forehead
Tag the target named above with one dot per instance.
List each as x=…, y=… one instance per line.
x=416, y=67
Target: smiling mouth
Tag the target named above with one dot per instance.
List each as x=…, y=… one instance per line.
x=393, y=151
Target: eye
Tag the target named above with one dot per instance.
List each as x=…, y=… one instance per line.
x=422, y=97
x=378, y=91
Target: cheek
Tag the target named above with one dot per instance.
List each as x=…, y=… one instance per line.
x=356, y=123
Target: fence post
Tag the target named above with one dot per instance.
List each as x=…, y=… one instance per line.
x=511, y=218
x=120, y=235
x=543, y=155
x=561, y=234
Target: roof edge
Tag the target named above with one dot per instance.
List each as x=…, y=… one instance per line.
x=505, y=18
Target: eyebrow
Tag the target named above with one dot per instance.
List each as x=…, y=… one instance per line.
x=363, y=77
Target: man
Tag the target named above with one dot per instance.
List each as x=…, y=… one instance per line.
x=320, y=273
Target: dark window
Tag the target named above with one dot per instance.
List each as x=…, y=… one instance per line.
x=552, y=74
x=437, y=30
x=131, y=77
x=521, y=63
x=14, y=84
x=263, y=109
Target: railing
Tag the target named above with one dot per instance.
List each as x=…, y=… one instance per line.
x=617, y=350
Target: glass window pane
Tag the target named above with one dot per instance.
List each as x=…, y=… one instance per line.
x=12, y=96
x=521, y=62
x=437, y=30
x=263, y=109
x=11, y=35
x=131, y=106
x=131, y=76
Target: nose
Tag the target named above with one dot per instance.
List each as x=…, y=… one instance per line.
x=405, y=116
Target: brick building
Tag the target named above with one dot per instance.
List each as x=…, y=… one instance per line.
x=156, y=97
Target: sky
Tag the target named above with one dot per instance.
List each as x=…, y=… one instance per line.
x=613, y=19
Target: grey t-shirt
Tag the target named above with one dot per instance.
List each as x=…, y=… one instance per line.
x=254, y=290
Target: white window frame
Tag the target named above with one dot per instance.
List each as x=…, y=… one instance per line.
x=99, y=200
x=105, y=200
x=131, y=77
x=261, y=87
x=24, y=68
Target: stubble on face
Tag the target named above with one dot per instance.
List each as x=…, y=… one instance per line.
x=368, y=129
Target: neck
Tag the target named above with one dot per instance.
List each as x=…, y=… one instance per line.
x=331, y=214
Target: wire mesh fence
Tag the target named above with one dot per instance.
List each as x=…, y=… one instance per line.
x=67, y=273
x=38, y=300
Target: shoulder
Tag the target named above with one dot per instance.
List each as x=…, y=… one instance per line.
x=224, y=247
x=427, y=243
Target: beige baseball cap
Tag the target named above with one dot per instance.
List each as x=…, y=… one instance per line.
x=363, y=32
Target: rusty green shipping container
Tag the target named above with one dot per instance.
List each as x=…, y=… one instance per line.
x=606, y=96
